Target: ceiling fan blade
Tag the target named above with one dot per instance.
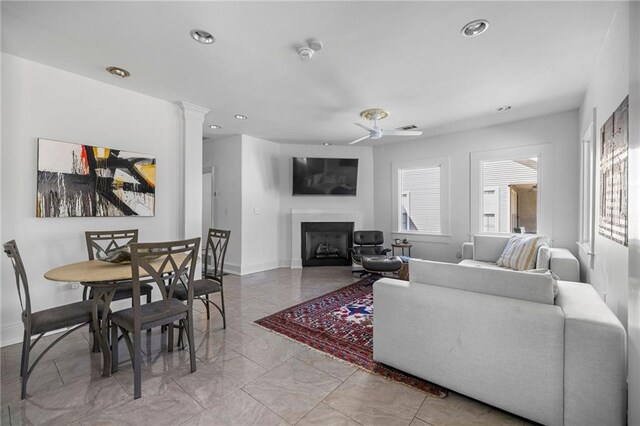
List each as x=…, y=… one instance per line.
x=402, y=132
x=367, y=128
x=358, y=140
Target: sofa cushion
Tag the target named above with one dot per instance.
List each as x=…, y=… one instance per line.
x=488, y=248
x=495, y=281
x=521, y=252
x=544, y=257
x=545, y=271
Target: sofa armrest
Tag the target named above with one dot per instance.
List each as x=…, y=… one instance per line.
x=564, y=264
x=467, y=250
x=595, y=360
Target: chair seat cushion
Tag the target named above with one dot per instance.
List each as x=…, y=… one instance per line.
x=381, y=263
x=200, y=288
x=62, y=316
x=152, y=314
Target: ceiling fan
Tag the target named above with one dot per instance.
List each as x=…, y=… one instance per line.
x=375, y=114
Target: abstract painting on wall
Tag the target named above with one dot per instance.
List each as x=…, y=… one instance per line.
x=614, y=153
x=87, y=181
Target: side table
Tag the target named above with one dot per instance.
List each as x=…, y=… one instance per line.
x=401, y=246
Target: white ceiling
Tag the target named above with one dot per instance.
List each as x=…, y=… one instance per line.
x=407, y=57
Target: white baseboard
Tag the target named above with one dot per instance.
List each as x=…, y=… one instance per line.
x=259, y=267
x=252, y=269
x=284, y=263
x=11, y=334
x=232, y=268
x=296, y=263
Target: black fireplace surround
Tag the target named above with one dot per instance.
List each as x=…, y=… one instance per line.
x=326, y=243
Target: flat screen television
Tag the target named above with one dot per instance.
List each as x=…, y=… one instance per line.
x=325, y=176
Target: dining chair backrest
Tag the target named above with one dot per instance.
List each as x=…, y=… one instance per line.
x=11, y=249
x=168, y=264
x=217, y=241
x=99, y=243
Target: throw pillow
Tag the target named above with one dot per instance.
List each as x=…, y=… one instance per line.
x=520, y=252
x=544, y=257
x=554, y=278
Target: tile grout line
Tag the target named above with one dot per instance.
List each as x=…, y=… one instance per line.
x=55, y=364
x=190, y=396
x=320, y=402
x=334, y=408
x=329, y=357
x=261, y=404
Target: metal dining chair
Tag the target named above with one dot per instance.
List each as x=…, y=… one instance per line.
x=72, y=316
x=170, y=265
x=212, y=275
x=100, y=243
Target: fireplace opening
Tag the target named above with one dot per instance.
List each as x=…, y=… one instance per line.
x=326, y=243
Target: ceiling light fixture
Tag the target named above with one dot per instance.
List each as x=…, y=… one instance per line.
x=202, y=36
x=475, y=28
x=240, y=117
x=326, y=143
x=504, y=108
x=215, y=126
x=307, y=51
x=120, y=72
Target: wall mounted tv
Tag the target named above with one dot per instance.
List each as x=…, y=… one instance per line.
x=325, y=176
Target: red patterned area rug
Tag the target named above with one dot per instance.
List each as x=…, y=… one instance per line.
x=341, y=324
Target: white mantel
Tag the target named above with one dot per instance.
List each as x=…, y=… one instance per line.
x=316, y=215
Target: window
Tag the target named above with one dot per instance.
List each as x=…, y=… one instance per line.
x=587, y=188
x=421, y=194
x=506, y=191
x=420, y=207
x=509, y=202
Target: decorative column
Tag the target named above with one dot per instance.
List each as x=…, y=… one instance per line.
x=193, y=116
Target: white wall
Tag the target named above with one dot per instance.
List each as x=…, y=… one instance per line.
x=363, y=201
x=226, y=157
x=252, y=173
x=633, y=325
x=260, y=204
x=608, y=87
x=616, y=269
x=40, y=101
x=557, y=129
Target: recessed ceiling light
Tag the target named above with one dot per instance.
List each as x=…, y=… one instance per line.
x=202, y=36
x=475, y=28
x=215, y=126
x=326, y=143
x=240, y=117
x=120, y=72
x=504, y=108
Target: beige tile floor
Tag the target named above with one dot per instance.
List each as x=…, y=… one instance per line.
x=246, y=375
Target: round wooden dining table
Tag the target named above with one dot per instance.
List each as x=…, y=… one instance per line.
x=103, y=278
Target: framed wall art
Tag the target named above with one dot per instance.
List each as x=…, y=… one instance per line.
x=614, y=153
x=88, y=181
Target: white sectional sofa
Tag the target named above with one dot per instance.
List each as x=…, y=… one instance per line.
x=500, y=337
x=486, y=249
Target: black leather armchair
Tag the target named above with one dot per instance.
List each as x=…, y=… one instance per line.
x=368, y=243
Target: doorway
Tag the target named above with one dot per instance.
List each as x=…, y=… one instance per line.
x=523, y=208
x=208, y=199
